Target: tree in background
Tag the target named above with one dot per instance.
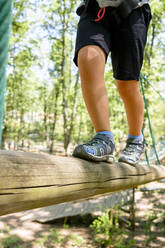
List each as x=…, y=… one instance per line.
x=44, y=104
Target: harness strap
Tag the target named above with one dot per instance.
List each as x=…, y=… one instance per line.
x=127, y=6
x=122, y=11
x=102, y=13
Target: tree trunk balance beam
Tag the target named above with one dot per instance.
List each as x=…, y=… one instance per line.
x=29, y=180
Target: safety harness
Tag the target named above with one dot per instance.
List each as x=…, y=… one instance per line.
x=121, y=12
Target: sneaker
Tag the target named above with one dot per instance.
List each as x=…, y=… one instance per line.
x=99, y=149
x=133, y=151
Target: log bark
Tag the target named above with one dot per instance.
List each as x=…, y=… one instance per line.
x=29, y=180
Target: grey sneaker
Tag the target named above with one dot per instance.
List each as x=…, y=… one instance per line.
x=99, y=149
x=133, y=151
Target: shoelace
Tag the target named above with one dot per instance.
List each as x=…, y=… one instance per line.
x=102, y=13
x=131, y=148
x=95, y=141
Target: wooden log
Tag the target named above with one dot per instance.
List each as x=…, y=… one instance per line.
x=29, y=180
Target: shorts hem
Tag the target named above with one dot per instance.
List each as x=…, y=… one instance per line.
x=126, y=77
x=89, y=44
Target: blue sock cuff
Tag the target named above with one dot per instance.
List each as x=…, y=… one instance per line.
x=135, y=137
x=108, y=133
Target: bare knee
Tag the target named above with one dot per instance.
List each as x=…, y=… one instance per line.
x=128, y=89
x=89, y=56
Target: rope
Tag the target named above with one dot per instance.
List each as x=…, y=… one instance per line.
x=5, y=19
x=146, y=153
x=158, y=92
x=149, y=122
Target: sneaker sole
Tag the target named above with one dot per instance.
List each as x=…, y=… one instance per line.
x=130, y=163
x=108, y=158
x=90, y=157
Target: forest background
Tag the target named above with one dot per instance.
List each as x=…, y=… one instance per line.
x=44, y=104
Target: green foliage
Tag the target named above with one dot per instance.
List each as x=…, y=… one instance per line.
x=44, y=98
x=148, y=225
x=41, y=241
x=56, y=238
x=12, y=241
x=153, y=67
x=77, y=240
x=108, y=233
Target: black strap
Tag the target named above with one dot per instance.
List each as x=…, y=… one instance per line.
x=83, y=7
x=121, y=12
x=126, y=7
x=86, y=4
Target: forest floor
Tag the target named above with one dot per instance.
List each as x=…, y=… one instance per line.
x=16, y=232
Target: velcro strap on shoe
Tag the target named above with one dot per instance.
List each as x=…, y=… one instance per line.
x=135, y=141
x=105, y=138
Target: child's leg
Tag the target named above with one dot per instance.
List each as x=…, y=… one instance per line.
x=134, y=105
x=91, y=63
x=127, y=59
x=93, y=44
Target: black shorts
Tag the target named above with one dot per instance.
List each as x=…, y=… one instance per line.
x=125, y=40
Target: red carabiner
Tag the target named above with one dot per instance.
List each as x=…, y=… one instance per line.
x=102, y=12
